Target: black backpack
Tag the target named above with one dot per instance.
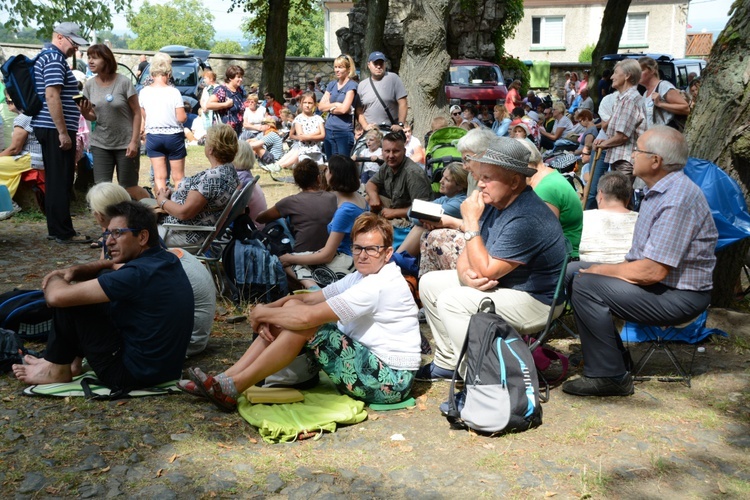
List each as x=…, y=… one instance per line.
x=501, y=383
x=10, y=345
x=20, y=83
x=25, y=312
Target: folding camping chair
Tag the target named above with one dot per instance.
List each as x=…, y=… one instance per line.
x=209, y=250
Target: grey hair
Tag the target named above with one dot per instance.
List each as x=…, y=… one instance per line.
x=476, y=141
x=161, y=64
x=104, y=194
x=245, y=157
x=559, y=106
x=535, y=157
x=668, y=143
x=615, y=186
x=632, y=69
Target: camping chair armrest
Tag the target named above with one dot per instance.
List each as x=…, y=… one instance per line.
x=187, y=227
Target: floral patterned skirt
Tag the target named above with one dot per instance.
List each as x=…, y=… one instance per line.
x=356, y=371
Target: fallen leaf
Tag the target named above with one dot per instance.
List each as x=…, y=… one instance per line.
x=8, y=399
x=398, y=437
x=489, y=446
x=173, y=458
x=159, y=472
x=52, y=490
x=374, y=417
x=101, y=471
x=548, y=494
x=120, y=403
x=222, y=445
x=722, y=489
x=407, y=449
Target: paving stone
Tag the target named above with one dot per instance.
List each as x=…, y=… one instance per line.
x=178, y=479
x=407, y=476
x=528, y=480
x=304, y=472
x=88, y=490
x=305, y=491
x=244, y=468
x=370, y=473
x=32, y=482
x=274, y=483
x=160, y=491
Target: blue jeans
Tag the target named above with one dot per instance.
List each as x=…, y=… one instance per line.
x=338, y=142
x=600, y=168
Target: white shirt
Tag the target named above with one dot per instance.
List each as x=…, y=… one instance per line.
x=379, y=311
x=606, y=236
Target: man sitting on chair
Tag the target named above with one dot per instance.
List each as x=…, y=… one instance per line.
x=666, y=278
x=131, y=317
x=514, y=253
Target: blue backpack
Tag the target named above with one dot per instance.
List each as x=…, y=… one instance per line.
x=20, y=83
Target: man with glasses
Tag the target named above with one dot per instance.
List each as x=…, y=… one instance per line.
x=382, y=97
x=666, y=278
x=56, y=126
x=130, y=317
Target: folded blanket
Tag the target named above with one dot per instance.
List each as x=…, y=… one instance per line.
x=322, y=409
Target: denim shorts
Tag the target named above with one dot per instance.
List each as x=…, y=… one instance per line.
x=171, y=146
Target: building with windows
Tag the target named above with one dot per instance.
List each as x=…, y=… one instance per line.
x=558, y=30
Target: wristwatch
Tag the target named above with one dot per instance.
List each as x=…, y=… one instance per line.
x=470, y=234
x=400, y=124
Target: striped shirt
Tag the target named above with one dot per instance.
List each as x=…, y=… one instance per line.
x=32, y=146
x=52, y=69
x=675, y=228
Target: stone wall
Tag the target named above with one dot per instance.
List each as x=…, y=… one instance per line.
x=298, y=69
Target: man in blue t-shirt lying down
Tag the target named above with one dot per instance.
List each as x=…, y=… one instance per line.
x=130, y=317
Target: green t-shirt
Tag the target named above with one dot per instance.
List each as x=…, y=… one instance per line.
x=557, y=191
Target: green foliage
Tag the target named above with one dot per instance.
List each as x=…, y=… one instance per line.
x=513, y=16
x=305, y=30
x=586, y=53
x=513, y=67
x=118, y=41
x=227, y=47
x=90, y=14
x=182, y=22
x=25, y=35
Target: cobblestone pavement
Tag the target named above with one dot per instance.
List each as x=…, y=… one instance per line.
x=666, y=441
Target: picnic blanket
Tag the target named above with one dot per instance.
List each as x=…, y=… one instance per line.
x=87, y=386
x=322, y=410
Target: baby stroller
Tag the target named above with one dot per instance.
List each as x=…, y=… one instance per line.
x=441, y=150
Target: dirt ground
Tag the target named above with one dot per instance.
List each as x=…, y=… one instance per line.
x=666, y=441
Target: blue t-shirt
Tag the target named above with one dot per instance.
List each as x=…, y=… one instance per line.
x=51, y=69
x=340, y=122
x=152, y=306
x=527, y=232
x=343, y=220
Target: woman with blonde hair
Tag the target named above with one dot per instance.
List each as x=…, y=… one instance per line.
x=513, y=99
x=663, y=100
x=338, y=101
x=101, y=196
x=502, y=121
x=200, y=198
x=163, y=115
x=244, y=162
x=252, y=118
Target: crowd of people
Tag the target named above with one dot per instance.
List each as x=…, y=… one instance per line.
x=508, y=223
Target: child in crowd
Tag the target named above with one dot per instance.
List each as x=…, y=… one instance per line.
x=308, y=131
x=521, y=131
x=269, y=148
x=370, y=168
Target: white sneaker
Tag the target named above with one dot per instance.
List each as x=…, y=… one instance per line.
x=272, y=168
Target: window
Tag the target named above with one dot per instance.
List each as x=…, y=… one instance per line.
x=547, y=31
x=635, y=30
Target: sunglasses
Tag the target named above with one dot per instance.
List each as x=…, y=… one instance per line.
x=456, y=113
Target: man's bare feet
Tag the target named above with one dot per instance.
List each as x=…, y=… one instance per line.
x=41, y=371
x=76, y=367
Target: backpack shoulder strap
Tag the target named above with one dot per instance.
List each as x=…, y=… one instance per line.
x=382, y=103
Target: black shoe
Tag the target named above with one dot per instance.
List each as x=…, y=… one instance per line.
x=604, y=386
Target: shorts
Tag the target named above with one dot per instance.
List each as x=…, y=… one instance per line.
x=171, y=146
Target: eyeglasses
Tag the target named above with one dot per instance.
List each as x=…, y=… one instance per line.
x=456, y=113
x=639, y=151
x=119, y=231
x=71, y=41
x=372, y=251
x=8, y=101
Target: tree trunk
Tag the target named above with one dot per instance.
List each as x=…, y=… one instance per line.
x=425, y=61
x=274, y=50
x=718, y=129
x=377, y=11
x=613, y=22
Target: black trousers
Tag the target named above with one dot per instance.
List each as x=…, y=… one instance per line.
x=88, y=331
x=59, y=171
x=597, y=298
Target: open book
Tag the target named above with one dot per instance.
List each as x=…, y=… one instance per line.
x=426, y=210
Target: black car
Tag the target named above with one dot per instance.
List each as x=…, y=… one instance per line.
x=673, y=70
x=187, y=72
